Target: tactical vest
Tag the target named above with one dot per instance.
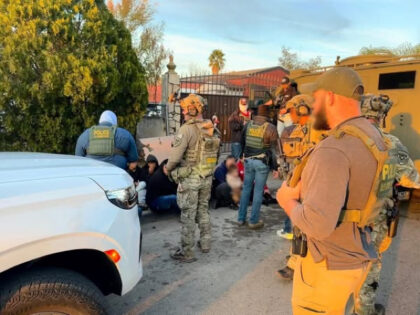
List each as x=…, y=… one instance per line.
x=102, y=141
x=381, y=188
x=203, y=157
x=301, y=139
x=255, y=136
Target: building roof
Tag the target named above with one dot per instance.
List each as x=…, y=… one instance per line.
x=255, y=71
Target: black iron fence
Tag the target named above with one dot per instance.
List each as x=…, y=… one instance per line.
x=223, y=92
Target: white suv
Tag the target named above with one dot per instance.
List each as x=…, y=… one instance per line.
x=69, y=234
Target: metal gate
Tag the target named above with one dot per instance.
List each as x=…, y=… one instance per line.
x=223, y=92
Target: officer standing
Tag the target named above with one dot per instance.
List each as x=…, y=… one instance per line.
x=191, y=164
x=375, y=109
x=107, y=142
x=259, y=140
x=329, y=208
x=286, y=91
x=295, y=141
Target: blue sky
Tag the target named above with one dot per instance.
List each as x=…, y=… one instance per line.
x=252, y=32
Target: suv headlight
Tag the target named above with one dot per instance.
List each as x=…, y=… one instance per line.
x=124, y=198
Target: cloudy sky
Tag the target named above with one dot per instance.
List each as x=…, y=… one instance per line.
x=252, y=32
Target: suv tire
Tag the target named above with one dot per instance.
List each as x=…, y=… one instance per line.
x=49, y=291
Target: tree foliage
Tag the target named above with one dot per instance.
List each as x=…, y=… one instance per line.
x=217, y=61
x=62, y=63
x=133, y=13
x=404, y=49
x=137, y=16
x=291, y=61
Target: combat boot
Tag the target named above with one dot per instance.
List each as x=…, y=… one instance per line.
x=204, y=250
x=180, y=255
x=256, y=226
x=286, y=273
x=379, y=309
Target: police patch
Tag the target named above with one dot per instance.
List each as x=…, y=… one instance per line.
x=178, y=140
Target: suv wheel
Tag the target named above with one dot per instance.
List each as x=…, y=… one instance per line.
x=50, y=291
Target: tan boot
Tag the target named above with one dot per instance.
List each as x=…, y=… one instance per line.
x=256, y=226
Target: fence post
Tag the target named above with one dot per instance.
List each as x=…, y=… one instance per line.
x=170, y=85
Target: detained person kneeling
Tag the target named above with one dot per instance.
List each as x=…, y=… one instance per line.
x=161, y=191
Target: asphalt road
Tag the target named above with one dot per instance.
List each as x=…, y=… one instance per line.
x=238, y=275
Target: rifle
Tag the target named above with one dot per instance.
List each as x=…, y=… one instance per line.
x=300, y=164
x=282, y=161
x=393, y=214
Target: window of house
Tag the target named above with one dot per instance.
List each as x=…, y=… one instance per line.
x=397, y=80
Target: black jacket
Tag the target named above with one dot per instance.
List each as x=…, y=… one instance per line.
x=159, y=185
x=141, y=174
x=236, y=125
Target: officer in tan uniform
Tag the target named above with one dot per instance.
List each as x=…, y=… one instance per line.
x=375, y=109
x=191, y=164
x=331, y=211
x=295, y=141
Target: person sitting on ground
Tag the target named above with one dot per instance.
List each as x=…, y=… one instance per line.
x=222, y=169
x=141, y=176
x=235, y=184
x=221, y=191
x=161, y=192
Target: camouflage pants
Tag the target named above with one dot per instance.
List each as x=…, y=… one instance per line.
x=367, y=294
x=193, y=200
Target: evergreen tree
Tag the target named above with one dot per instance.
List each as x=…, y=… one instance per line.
x=62, y=63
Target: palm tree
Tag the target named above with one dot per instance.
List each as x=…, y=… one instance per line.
x=216, y=61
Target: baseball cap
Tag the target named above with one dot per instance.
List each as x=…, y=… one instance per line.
x=343, y=81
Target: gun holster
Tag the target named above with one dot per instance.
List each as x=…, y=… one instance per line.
x=299, y=243
x=392, y=222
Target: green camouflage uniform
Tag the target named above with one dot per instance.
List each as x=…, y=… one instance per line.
x=194, y=183
x=407, y=176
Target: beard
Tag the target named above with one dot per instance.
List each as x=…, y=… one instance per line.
x=320, y=120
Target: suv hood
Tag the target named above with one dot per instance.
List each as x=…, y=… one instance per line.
x=21, y=166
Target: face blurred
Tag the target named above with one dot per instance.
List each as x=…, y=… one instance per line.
x=293, y=115
x=230, y=162
x=243, y=101
x=320, y=111
x=190, y=112
x=152, y=167
x=284, y=86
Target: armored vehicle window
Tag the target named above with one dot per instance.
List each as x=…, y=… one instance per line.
x=397, y=80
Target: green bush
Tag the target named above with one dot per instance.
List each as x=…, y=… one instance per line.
x=62, y=63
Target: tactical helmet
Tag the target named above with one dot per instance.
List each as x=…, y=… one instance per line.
x=375, y=106
x=193, y=100
x=301, y=103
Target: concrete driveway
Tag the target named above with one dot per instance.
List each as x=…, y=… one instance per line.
x=238, y=275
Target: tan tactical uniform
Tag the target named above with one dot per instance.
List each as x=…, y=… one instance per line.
x=298, y=139
x=191, y=163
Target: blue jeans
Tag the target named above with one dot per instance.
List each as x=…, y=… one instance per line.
x=256, y=173
x=287, y=227
x=164, y=203
x=236, y=150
